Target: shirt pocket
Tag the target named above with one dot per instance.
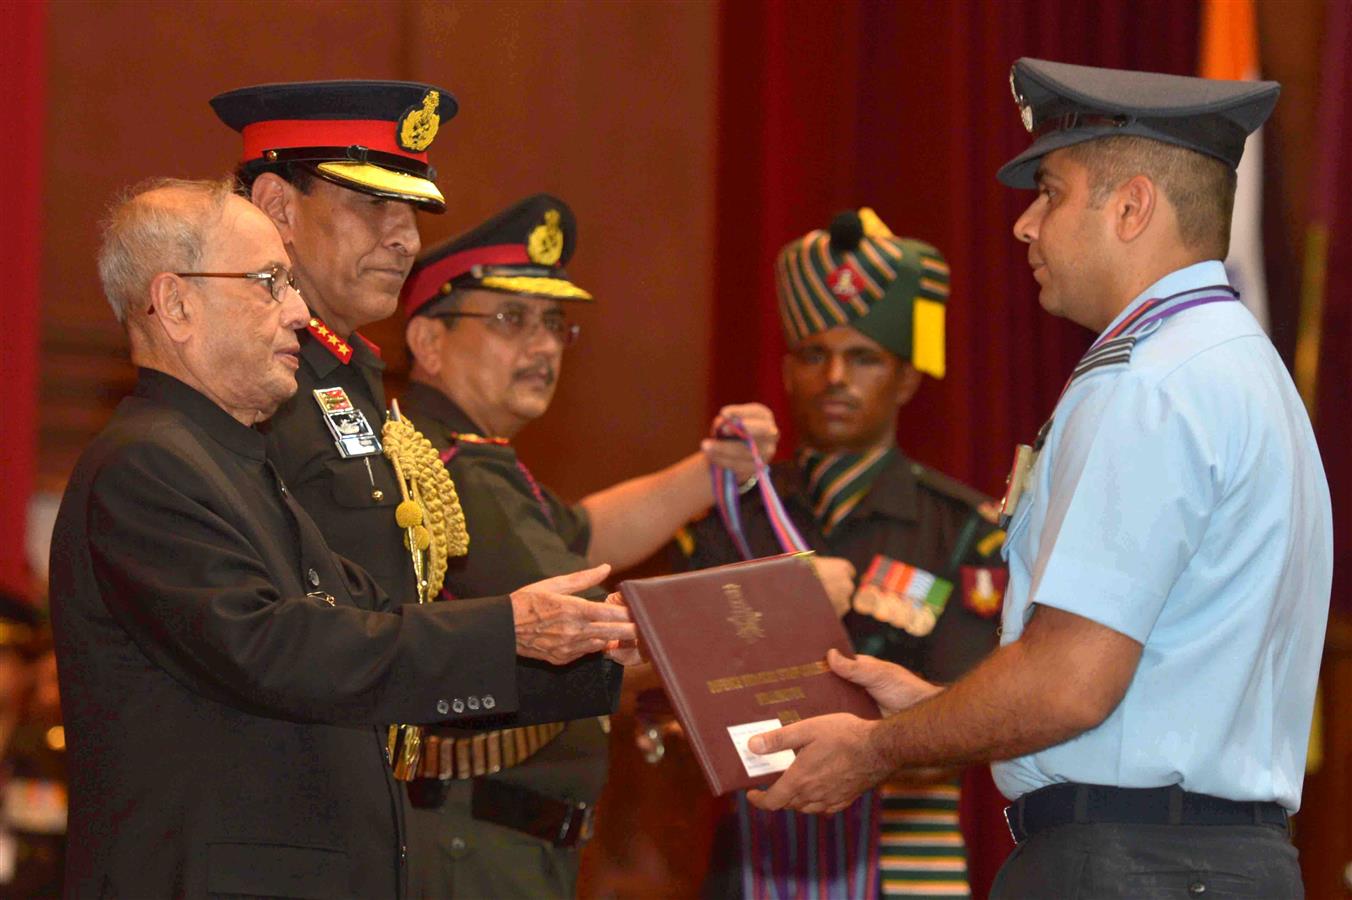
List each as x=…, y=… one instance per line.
x=354, y=487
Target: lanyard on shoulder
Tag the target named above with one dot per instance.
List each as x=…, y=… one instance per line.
x=1113, y=347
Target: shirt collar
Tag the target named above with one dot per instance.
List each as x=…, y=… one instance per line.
x=1208, y=273
x=433, y=404
x=225, y=429
x=895, y=492
x=325, y=350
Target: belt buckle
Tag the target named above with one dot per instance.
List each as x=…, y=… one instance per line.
x=577, y=826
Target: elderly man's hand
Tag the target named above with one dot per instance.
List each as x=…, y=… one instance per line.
x=759, y=422
x=558, y=628
x=837, y=576
x=891, y=686
x=626, y=653
x=835, y=763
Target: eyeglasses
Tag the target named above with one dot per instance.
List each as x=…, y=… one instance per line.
x=517, y=323
x=276, y=278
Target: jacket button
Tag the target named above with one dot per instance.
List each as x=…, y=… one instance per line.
x=314, y=578
x=403, y=854
x=489, y=702
x=459, y=848
x=458, y=705
x=443, y=707
x=472, y=703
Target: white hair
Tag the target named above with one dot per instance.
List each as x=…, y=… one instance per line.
x=157, y=226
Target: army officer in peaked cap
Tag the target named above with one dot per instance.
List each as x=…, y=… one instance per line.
x=1170, y=536
x=488, y=326
x=340, y=168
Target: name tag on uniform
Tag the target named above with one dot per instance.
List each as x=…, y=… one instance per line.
x=352, y=434
x=1017, y=482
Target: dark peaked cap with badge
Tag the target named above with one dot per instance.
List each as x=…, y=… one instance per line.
x=521, y=250
x=858, y=273
x=369, y=136
x=1062, y=104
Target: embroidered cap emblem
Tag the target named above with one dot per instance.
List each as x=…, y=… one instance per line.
x=545, y=244
x=418, y=125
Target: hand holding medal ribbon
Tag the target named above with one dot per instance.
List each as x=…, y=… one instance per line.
x=727, y=492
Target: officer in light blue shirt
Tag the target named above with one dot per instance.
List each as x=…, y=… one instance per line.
x=1169, y=534
x=1179, y=500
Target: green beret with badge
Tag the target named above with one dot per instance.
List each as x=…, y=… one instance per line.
x=858, y=273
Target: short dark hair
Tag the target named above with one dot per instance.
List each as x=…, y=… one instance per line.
x=1201, y=189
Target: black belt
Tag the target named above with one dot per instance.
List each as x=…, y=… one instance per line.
x=559, y=822
x=1073, y=804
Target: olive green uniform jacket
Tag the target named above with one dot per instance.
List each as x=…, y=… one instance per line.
x=520, y=532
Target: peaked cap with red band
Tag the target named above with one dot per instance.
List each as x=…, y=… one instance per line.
x=522, y=250
x=370, y=136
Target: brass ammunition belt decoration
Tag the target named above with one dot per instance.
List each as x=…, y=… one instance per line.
x=434, y=528
x=471, y=756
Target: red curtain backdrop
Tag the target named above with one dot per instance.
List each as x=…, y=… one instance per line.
x=23, y=71
x=906, y=107
x=1332, y=215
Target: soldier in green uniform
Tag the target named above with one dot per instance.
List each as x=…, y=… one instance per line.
x=863, y=314
x=487, y=331
x=340, y=168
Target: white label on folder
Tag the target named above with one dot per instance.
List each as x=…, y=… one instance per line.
x=756, y=764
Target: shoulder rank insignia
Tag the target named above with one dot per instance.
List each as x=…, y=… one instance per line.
x=983, y=589
x=329, y=341
x=351, y=432
x=902, y=595
x=545, y=244
x=419, y=124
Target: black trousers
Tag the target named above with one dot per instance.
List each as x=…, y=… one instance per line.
x=1196, y=862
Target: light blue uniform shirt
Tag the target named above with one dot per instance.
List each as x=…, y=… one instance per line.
x=1180, y=500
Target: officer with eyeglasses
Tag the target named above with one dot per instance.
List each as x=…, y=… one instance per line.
x=340, y=168
x=486, y=332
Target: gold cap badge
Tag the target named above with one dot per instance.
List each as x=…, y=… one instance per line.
x=545, y=244
x=418, y=126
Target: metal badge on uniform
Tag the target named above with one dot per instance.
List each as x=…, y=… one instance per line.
x=1017, y=482
x=983, y=589
x=902, y=595
x=351, y=432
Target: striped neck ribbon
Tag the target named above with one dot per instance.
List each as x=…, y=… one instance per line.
x=1114, y=346
x=836, y=482
x=788, y=855
x=726, y=496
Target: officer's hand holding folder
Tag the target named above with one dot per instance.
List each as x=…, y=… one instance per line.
x=741, y=649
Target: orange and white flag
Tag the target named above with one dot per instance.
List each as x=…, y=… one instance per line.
x=1230, y=51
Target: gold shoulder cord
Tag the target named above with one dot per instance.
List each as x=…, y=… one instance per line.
x=434, y=529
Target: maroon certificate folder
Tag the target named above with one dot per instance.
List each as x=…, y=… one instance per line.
x=741, y=649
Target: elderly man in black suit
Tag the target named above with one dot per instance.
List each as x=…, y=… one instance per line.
x=227, y=678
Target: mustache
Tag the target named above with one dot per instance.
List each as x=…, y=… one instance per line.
x=542, y=370
x=837, y=393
